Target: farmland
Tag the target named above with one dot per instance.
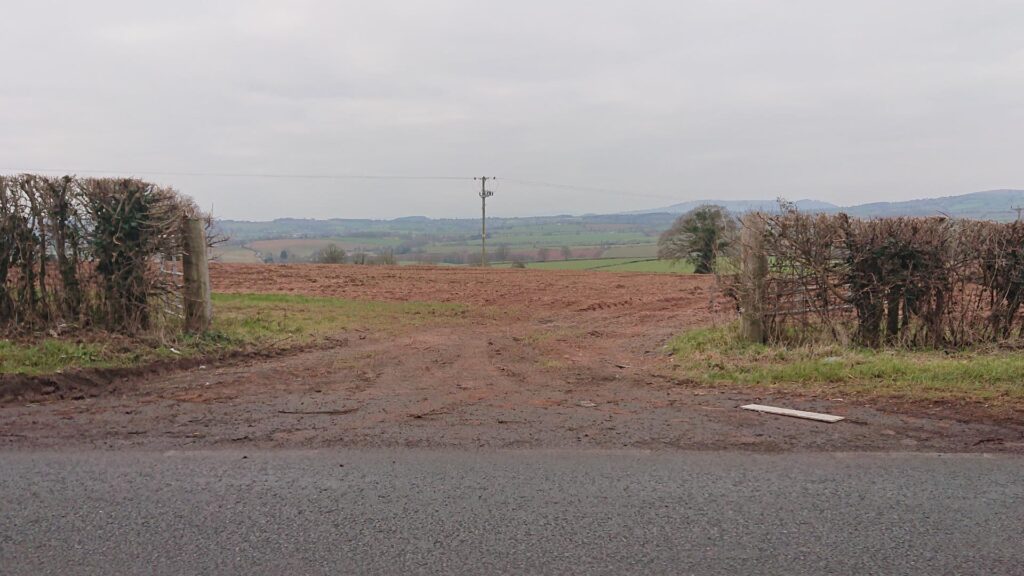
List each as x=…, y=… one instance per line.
x=330, y=355
x=242, y=322
x=448, y=241
x=613, y=265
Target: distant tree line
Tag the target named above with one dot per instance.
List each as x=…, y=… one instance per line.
x=334, y=254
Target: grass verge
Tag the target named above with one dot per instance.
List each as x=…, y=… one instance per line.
x=241, y=321
x=717, y=355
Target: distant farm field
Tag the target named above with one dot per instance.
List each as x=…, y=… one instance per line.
x=305, y=247
x=613, y=265
x=586, y=242
x=631, y=251
x=235, y=255
x=546, y=246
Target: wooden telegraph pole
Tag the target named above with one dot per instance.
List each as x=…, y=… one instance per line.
x=484, y=195
x=198, y=303
x=754, y=273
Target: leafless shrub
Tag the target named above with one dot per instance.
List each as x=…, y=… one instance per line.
x=913, y=282
x=386, y=257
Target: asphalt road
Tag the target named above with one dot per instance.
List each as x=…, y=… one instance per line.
x=532, y=512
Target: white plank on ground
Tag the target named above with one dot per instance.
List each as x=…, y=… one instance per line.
x=794, y=413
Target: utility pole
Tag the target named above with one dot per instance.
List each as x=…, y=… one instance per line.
x=1018, y=210
x=484, y=195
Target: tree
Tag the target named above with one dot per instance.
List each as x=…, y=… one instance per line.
x=699, y=237
x=284, y=256
x=542, y=254
x=330, y=254
x=386, y=257
x=566, y=252
x=501, y=253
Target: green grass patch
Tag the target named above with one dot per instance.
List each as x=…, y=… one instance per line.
x=52, y=355
x=241, y=321
x=632, y=251
x=717, y=355
x=658, y=266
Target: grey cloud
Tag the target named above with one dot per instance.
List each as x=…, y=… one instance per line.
x=701, y=99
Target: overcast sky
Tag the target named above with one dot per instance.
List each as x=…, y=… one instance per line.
x=667, y=100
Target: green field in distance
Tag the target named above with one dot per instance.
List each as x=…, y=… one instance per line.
x=611, y=265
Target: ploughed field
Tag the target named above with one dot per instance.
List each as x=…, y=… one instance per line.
x=533, y=359
x=687, y=298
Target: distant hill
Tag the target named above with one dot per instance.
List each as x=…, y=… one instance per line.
x=740, y=206
x=987, y=205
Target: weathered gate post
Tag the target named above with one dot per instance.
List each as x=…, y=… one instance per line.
x=198, y=302
x=754, y=274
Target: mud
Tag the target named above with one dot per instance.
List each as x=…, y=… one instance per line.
x=544, y=359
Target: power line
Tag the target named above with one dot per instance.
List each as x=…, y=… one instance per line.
x=314, y=176
x=587, y=189
x=306, y=176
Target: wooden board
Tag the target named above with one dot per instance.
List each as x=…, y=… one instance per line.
x=794, y=413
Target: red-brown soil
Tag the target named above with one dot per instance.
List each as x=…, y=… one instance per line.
x=543, y=359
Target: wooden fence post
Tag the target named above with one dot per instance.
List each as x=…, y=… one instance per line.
x=198, y=303
x=754, y=276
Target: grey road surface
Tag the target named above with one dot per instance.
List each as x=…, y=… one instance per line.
x=531, y=512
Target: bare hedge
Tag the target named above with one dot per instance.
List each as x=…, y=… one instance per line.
x=932, y=282
x=86, y=252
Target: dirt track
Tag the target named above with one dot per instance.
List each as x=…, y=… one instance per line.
x=544, y=359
